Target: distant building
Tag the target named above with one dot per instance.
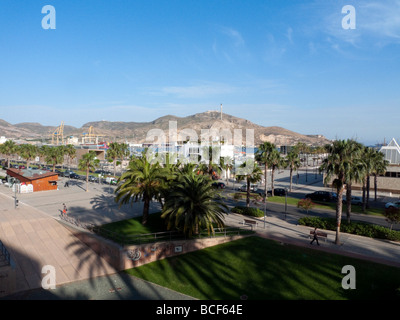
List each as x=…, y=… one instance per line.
x=391, y=152
x=3, y=139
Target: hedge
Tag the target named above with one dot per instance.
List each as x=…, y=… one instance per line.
x=248, y=211
x=358, y=228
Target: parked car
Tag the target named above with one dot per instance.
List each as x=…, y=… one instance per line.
x=395, y=204
x=92, y=178
x=320, y=196
x=280, y=192
x=218, y=185
x=73, y=175
x=277, y=192
x=354, y=200
x=253, y=187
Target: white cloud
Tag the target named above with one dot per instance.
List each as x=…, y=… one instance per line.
x=234, y=35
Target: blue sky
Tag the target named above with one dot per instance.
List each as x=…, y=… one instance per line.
x=281, y=63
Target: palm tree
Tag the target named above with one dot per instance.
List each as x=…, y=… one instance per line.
x=142, y=180
x=263, y=156
x=355, y=173
x=88, y=162
x=70, y=151
x=251, y=176
x=275, y=162
x=8, y=148
x=117, y=151
x=28, y=152
x=192, y=204
x=368, y=159
x=379, y=168
x=293, y=162
x=53, y=155
x=337, y=164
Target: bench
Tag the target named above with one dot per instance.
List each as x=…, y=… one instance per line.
x=251, y=223
x=319, y=235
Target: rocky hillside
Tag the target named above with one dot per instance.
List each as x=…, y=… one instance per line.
x=137, y=132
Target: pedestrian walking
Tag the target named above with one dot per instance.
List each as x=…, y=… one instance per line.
x=315, y=238
x=64, y=209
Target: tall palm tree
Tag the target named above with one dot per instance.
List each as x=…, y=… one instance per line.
x=117, y=151
x=9, y=148
x=368, y=159
x=336, y=165
x=293, y=162
x=53, y=155
x=88, y=162
x=142, y=180
x=192, y=204
x=70, y=152
x=28, y=152
x=355, y=173
x=263, y=155
x=275, y=162
x=251, y=176
x=379, y=168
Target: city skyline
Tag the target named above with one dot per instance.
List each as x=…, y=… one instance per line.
x=292, y=65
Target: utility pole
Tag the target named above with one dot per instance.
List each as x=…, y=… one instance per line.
x=221, y=111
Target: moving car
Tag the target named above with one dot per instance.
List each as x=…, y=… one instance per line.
x=320, y=196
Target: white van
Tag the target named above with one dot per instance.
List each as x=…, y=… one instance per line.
x=111, y=180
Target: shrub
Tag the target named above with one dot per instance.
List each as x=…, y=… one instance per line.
x=358, y=228
x=248, y=211
x=305, y=204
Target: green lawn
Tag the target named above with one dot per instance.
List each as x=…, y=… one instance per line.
x=265, y=269
x=319, y=205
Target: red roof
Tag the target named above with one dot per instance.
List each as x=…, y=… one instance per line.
x=31, y=174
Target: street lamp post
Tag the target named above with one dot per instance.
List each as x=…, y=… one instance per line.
x=15, y=193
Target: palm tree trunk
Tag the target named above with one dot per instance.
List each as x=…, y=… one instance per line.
x=146, y=207
x=368, y=186
x=339, y=207
x=291, y=178
x=248, y=193
x=272, y=181
x=348, y=202
x=265, y=181
x=87, y=179
x=375, y=186
x=363, y=194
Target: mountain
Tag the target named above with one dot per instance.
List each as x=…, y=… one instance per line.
x=136, y=132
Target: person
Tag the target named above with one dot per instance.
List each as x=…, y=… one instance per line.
x=315, y=238
x=65, y=209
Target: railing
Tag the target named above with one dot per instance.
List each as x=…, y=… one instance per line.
x=166, y=236
x=144, y=238
x=5, y=255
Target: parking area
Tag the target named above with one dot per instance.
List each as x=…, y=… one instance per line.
x=95, y=206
